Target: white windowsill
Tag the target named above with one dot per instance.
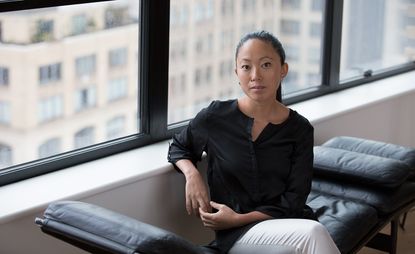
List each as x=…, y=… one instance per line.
x=31, y=195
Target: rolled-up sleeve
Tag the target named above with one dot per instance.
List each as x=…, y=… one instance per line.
x=191, y=142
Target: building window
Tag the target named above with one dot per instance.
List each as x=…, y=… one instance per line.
x=290, y=27
x=116, y=127
x=50, y=147
x=79, y=24
x=314, y=55
x=118, y=57
x=4, y=76
x=315, y=30
x=85, y=66
x=49, y=73
x=116, y=16
x=4, y=112
x=5, y=156
x=50, y=108
x=85, y=98
x=292, y=52
x=291, y=4
x=43, y=31
x=84, y=137
x=117, y=89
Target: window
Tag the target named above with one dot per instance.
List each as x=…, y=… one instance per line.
x=67, y=62
x=290, y=27
x=4, y=76
x=5, y=156
x=50, y=147
x=49, y=73
x=84, y=137
x=118, y=57
x=85, y=66
x=85, y=98
x=315, y=30
x=50, y=108
x=291, y=4
x=368, y=51
x=166, y=58
x=4, y=112
x=115, y=127
x=43, y=31
x=79, y=24
x=117, y=89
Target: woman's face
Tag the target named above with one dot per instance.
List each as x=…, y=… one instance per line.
x=259, y=70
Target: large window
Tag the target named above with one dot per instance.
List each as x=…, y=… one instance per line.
x=377, y=35
x=68, y=64
x=93, y=78
x=210, y=65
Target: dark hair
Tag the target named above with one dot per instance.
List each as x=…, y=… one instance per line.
x=266, y=37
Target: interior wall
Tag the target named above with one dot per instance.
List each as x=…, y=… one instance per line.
x=159, y=200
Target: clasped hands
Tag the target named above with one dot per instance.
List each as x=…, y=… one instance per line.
x=197, y=202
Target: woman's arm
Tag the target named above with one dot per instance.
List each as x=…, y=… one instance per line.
x=196, y=190
x=226, y=218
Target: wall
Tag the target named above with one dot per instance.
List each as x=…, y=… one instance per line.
x=158, y=200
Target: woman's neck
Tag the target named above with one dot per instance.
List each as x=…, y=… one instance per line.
x=265, y=111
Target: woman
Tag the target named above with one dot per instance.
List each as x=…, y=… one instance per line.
x=260, y=158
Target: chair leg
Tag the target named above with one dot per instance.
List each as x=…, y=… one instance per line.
x=394, y=236
x=402, y=223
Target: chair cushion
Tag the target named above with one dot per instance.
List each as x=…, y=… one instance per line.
x=386, y=150
x=346, y=221
x=113, y=229
x=386, y=201
x=358, y=167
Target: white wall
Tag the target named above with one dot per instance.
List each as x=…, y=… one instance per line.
x=159, y=199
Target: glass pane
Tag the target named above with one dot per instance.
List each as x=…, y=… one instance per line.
x=65, y=74
x=204, y=35
x=376, y=35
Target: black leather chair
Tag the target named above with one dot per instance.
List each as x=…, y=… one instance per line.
x=359, y=187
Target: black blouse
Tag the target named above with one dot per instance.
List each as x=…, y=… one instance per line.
x=271, y=174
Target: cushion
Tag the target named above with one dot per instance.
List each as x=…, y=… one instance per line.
x=386, y=201
x=386, y=150
x=116, y=232
x=347, y=222
x=358, y=167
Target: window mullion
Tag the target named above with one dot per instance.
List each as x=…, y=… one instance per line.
x=155, y=66
x=332, y=48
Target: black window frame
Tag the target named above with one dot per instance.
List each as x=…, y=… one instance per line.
x=153, y=83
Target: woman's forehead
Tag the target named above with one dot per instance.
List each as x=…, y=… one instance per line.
x=257, y=49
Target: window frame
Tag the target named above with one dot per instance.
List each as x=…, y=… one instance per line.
x=153, y=84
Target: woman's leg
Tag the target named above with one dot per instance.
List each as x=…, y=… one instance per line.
x=286, y=236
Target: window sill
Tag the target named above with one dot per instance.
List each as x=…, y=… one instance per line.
x=32, y=195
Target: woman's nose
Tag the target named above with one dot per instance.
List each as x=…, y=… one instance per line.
x=255, y=74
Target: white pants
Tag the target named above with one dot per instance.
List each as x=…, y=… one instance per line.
x=286, y=236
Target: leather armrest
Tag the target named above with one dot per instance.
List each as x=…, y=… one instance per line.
x=358, y=167
x=111, y=231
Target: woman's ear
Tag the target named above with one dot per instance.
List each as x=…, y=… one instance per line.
x=284, y=70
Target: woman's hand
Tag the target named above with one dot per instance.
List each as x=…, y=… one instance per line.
x=196, y=190
x=197, y=197
x=224, y=218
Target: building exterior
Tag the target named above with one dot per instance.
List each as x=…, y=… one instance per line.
x=69, y=75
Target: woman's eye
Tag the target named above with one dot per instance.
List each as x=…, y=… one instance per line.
x=266, y=65
x=245, y=67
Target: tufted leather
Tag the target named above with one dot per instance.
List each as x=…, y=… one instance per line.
x=366, y=169
x=115, y=232
x=384, y=200
x=372, y=147
x=347, y=221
